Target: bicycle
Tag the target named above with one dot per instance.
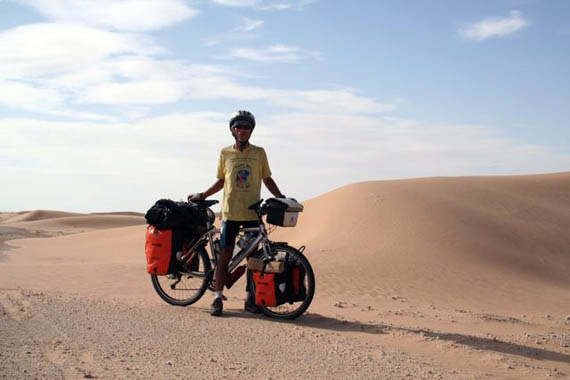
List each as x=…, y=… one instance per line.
x=189, y=284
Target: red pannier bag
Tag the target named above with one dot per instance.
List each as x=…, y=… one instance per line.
x=298, y=282
x=265, y=289
x=158, y=250
x=274, y=289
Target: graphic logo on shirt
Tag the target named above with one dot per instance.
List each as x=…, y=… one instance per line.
x=242, y=176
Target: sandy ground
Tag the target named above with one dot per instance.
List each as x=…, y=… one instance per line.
x=436, y=278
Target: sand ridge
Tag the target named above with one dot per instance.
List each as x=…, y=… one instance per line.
x=67, y=222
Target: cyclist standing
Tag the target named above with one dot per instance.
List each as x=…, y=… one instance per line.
x=241, y=169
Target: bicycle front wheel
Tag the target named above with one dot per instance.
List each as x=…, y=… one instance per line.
x=291, y=310
x=184, y=288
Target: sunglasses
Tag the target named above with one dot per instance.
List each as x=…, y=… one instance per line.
x=242, y=126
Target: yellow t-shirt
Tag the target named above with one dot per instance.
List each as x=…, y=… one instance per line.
x=242, y=173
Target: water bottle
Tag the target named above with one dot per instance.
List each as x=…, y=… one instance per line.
x=245, y=238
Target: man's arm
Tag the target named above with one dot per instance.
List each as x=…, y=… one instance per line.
x=272, y=187
x=217, y=186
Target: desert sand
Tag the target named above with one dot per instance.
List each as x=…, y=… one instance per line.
x=431, y=278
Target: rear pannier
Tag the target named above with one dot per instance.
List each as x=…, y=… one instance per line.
x=283, y=211
x=280, y=283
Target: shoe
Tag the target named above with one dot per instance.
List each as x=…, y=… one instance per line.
x=217, y=307
x=251, y=308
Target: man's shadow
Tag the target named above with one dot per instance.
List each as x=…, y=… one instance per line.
x=319, y=321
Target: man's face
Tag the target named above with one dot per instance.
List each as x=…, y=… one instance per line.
x=242, y=132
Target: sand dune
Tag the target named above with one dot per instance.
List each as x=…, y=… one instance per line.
x=65, y=222
x=495, y=241
x=467, y=277
x=491, y=242
x=82, y=223
x=126, y=213
x=32, y=216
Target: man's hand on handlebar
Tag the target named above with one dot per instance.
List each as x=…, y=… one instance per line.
x=196, y=197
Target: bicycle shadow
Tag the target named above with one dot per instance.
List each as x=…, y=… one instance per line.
x=319, y=321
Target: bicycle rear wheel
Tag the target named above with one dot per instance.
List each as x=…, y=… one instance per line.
x=184, y=288
x=291, y=310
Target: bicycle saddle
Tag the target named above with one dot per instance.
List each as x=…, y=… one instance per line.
x=255, y=206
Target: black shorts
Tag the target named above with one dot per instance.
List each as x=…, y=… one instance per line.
x=230, y=230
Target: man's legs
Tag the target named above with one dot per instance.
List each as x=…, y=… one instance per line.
x=230, y=230
x=221, y=273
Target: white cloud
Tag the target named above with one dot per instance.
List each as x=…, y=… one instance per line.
x=275, y=53
x=339, y=102
x=250, y=24
x=239, y=33
x=50, y=67
x=100, y=164
x=134, y=15
x=37, y=50
x=60, y=67
x=237, y=3
x=265, y=5
x=347, y=149
x=29, y=98
x=495, y=27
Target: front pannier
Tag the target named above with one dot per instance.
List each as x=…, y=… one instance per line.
x=283, y=212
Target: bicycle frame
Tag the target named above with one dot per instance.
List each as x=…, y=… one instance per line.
x=261, y=237
x=251, y=247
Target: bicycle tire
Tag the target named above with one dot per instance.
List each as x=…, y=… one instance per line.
x=184, y=288
x=295, y=309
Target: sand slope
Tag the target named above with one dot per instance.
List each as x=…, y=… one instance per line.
x=465, y=277
x=490, y=239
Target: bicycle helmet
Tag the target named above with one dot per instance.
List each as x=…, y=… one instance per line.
x=242, y=116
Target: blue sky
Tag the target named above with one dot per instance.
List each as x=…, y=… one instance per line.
x=110, y=105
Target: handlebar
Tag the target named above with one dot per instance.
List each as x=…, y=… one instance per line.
x=204, y=203
x=258, y=206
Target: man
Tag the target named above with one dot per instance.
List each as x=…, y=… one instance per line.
x=241, y=169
